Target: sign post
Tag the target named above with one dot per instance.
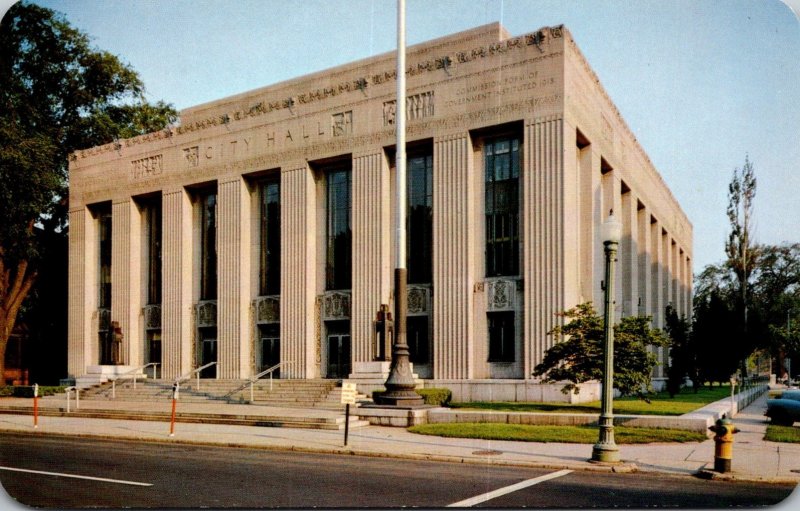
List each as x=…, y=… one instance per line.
x=348, y=398
x=35, y=406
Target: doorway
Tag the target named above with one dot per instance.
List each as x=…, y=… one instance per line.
x=208, y=352
x=338, y=347
x=270, y=348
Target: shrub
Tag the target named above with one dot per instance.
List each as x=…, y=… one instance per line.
x=432, y=396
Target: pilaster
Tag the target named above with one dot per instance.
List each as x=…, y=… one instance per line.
x=644, y=299
x=126, y=227
x=176, y=314
x=82, y=292
x=372, y=232
x=298, y=267
x=629, y=255
x=453, y=240
x=233, y=246
x=543, y=228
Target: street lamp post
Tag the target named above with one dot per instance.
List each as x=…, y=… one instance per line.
x=400, y=383
x=606, y=450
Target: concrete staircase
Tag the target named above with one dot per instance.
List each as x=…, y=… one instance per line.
x=280, y=393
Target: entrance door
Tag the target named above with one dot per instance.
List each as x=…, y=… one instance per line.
x=154, y=348
x=208, y=352
x=338, y=355
x=271, y=354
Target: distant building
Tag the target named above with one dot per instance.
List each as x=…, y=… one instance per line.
x=260, y=230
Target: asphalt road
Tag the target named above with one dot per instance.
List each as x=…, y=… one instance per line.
x=167, y=476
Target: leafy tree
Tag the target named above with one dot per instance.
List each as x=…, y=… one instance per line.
x=577, y=356
x=740, y=249
x=683, y=359
x=57, y=95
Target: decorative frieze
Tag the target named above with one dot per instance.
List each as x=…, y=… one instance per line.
x=207, y=314
x=335, y=306
x=418, y=106
x=268, y=309
x=146, y=167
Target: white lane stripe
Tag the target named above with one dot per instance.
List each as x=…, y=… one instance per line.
x=74, y=476
x=508, y=489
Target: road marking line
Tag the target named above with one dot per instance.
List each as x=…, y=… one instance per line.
x=74, y=476
x=508, y=489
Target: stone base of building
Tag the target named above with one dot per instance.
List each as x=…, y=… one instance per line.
x=466, y=391
x=397, y=416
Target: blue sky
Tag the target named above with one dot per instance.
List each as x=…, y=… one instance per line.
x=701, y=83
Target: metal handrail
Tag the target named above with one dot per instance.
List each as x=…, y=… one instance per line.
x=68, y=391
x=193, y=371
x=264, y=372
x=135, y=372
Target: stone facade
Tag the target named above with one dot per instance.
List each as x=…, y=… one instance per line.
x=577, y=160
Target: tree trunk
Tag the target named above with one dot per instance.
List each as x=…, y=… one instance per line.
x=14, y=288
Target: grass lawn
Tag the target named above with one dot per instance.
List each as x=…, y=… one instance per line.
x=787, y=434
x=561, y=434
x=660, y=404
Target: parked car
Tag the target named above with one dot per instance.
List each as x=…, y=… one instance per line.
x=784, y=411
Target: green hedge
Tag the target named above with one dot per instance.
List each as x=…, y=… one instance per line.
x=27, y=390
x=432, y=396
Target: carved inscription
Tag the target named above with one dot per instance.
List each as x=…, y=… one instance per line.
x=146, y=167
x=418, y=106
x=514, y=84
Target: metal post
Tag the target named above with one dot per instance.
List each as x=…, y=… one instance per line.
x=606, y=450
x=68, y=392
x=77, y=398
x=400, y=383
x=251, y=391
x=346, y=422
x=113, y=389
x=35, y=405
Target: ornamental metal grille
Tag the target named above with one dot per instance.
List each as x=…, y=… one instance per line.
x=335, y=305
x=268, y=309
x=152, y=317
x=419, y=300
x=207, y=313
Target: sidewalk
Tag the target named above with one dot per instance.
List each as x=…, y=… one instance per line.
x=754, y=459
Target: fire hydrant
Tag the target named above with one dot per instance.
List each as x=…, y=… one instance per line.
x=723, y=444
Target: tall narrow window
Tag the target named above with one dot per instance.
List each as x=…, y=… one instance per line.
x=338, y=261
x=420, y=219
x=501, y=336
x=208, y=247
x=104, y=228
x=502, y=207
x=153, y=218
x=270, y=248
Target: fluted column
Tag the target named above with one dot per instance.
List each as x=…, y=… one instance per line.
x=82, y=285
x=126, y=228
x=453, y=259
x=371, y=249
x=233, y=246
x=176, y=308
x=298, y=267
x=656, y=256
x=543, y=267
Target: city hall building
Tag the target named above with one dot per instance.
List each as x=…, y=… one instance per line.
x=260, y=229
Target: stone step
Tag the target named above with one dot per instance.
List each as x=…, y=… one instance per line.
x=324, y=423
